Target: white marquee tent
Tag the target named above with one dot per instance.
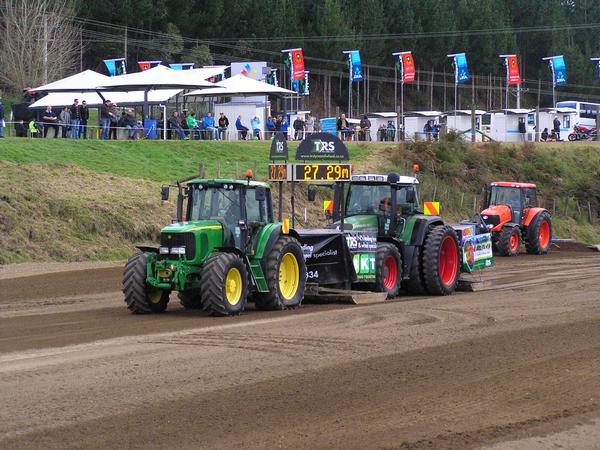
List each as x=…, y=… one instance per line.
x=83, y=81
x=240, y=85
x=94, y=100
x=160, y=77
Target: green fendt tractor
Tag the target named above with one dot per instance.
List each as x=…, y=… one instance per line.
x=223, y=247
x=414, y=251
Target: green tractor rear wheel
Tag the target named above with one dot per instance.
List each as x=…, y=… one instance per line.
x=224, y=288
x=440, y=260
x=285, y=275
x=139, y=297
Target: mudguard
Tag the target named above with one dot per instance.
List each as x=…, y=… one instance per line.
x=532, y=213
x=422, y=224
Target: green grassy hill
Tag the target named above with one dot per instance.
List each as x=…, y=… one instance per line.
x=83, y=200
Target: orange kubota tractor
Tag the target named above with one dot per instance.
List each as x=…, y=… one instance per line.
x=511, y=213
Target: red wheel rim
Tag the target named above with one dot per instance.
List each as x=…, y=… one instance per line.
x=513, y=242
x=448, y=261
x=544, y=236
x=391, y=276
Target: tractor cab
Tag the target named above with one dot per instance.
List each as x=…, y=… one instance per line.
x=506, y=202
x=376, y=202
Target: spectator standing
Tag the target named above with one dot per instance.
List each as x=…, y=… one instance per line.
x=65, y=120
x=365, y=129
x=84, y=114
x=33, y=129
x=105, y=116
x=310, y=124
x=242, y=130
x=114, y=121
x=391, y=131
x=50, y=120
x=175, y=124
x=283, y=127
x=2, y=122
x=75, y=119
x=223, y=123
x=298, y=128
x=556, y=129
x=255, y=125
x=382, y=133
x=209, y=125
x=269, y=128
x=343, y=127
x=129, y=122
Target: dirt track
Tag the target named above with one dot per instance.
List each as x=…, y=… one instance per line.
x=516, y=365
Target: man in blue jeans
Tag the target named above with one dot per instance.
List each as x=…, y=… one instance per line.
x=75, y=119
x=105, y=115
x=209, y=125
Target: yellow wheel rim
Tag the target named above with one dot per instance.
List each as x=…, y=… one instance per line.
x=289, y=276
x=233, y=286
x=155, y=296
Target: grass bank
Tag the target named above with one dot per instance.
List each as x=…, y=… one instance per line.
x=64, y=200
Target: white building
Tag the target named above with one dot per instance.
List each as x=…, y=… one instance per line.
x=567, y=117
x=415, y=122
x=382, y=118
x=460, y=122
x=509, y=125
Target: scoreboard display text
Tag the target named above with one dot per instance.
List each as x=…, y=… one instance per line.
x=310, y=172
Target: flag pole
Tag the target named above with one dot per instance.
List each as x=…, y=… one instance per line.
x=349, y=54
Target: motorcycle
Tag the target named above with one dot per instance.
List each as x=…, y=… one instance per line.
x=581, y=132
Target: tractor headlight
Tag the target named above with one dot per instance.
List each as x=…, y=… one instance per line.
x=178, y=251
x=164, y=250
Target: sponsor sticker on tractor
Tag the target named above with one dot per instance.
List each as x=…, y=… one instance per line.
x=363, y=247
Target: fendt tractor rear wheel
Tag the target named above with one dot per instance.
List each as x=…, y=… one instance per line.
x=414, y=284
x=139, y=297
x=440, y=260
x=539, y=234
x=190, y=299
x=224, y=282
x=509, y=241
x=389, y=270
x=285, y=275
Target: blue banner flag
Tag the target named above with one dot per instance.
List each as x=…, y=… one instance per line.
x=461, y=70
x=559, y=70
x=115, y=66
x=356, y=73
x=182, y=66
x=598, y=69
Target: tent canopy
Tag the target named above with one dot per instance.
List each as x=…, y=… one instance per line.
x=84, y=81
x=240, y=85
x=159, y=77
x=56, y=99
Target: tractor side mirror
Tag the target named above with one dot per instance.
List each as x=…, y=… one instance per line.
x=260, y=194
x=164, y=193
x=411, y=196
x=312, y=193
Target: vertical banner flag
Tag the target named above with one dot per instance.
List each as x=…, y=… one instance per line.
x=182, y=66
x=297, y=64
x=461, y=70
x=145, y=65
x=115, y=66
x=559, y=70
x=512, y=70
x=407, y=64
x=301, y=86
x=356, y=73
x=599, y=69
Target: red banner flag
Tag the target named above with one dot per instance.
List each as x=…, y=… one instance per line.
x=144, y=66
x=408, y=68
x=297, y=64
x=512, y=69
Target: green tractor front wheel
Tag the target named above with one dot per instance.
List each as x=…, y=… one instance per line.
x=224, y=288
x=139, y=297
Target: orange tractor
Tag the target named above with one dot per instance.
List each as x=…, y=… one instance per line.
x=511, y=213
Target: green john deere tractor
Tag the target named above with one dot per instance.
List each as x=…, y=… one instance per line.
x=223, y=249
x=414, y=251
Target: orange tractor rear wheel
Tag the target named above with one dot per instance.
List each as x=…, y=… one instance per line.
x=539, y=234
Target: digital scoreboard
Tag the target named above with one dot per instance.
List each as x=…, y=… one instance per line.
x=310, y=172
